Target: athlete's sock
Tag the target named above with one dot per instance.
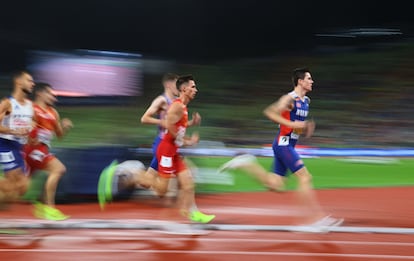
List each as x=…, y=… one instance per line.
x=193, y=208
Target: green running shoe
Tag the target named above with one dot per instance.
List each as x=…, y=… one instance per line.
x=105, y=184
x=199, y=217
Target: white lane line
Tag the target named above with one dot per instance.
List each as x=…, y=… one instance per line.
x=231, y=240
x=209, y=252
x=142, y=224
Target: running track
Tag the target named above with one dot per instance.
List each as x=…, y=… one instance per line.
x=378, y=226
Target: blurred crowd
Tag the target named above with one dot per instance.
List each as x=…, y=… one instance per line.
x=362, y=97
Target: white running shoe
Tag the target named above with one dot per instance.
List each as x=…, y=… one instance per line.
x=322, y=225
x=329, y=221
x=237, y=162
x=335, y=222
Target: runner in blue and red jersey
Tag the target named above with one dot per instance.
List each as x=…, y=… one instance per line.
x=290, y=112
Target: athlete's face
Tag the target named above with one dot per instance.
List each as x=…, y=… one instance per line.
x=48, y=97
x=307, y=82
x=190, y=89
x=26, y=83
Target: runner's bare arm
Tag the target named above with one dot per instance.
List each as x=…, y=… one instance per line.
x=274, y=112
x=191, y=140
x=195, y=120
x=62, y=126
x=155, y=107
x=5, y=108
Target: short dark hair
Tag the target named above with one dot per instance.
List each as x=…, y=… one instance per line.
x=299, y=73
x=183, y=79
x=41, y=87
x=169, y=77
x=17, y=74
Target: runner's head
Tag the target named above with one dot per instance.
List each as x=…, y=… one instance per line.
x=186, y=85
x=168, y=81
x=22, y=80
x=43, y=93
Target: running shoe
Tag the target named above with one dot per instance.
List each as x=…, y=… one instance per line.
x=105, y=184
x=52, y=213
x=322, y=225
x=47, y=212
x=199, y=217
x=329, y=221
x=38, y=209
x=237, y=162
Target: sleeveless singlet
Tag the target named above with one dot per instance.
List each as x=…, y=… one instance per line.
x=20, y=117
x=181, y=127
x=289, y=136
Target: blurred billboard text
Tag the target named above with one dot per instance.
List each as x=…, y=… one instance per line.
x=83, y=73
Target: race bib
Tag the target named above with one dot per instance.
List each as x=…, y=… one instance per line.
x=283, y=141
x=6, y=157
x=37, y=155
x=166, y=162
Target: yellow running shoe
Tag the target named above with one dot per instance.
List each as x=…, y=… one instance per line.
x=52, y=213
x=199, y=217
x=38, y=210
x=47, y=212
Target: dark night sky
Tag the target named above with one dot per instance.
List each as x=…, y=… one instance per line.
x=185, y=30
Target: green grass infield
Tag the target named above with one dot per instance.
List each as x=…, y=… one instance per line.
x=327, y=173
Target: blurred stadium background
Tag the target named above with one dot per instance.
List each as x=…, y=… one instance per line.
x=362, y=94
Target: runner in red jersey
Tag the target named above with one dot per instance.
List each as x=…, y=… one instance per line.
x=171, y=142
x=38, y=157
x=170, y=162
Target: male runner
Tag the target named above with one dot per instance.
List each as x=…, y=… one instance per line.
x=37, y=154
x=290, y=112
x=155, y=115
x=170, y=162
x=16, y=120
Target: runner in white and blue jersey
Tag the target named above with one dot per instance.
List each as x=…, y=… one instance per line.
x=283, y=146
x=16, y=122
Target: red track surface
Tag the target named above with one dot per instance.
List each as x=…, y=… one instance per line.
x=380, y=207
